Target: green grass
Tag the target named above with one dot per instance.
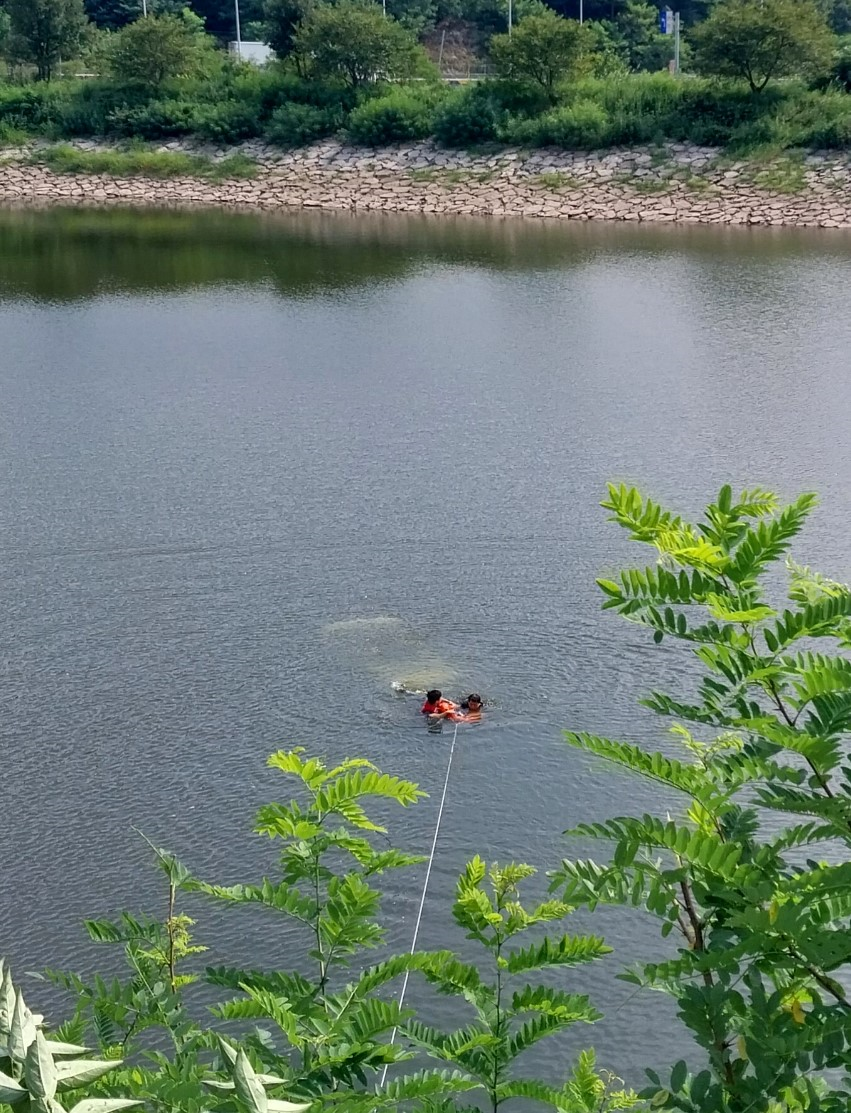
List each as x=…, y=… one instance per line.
x=11, y=136
x=556, y=180
x=783, y=175
x=447, y=176
x=695, y=183
x=140, y=162
x=650, y=186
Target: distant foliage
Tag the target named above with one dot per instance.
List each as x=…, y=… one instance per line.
x=158, y=49
x=281, y=19
x=152, y=120
x=582, y=125
x=297, y=125
x=402, y=116
x=544, y=49
x=43, y=31
x=759, y=40
x=355, y=44
x=468, y=118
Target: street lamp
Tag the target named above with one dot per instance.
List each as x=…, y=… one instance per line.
x=238, y=32
x=510, y=16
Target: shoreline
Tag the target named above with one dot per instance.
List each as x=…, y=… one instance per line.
x=674, y=183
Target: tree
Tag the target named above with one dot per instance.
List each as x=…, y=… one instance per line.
x=43, y=31
x=357, y=45
x=281, y=20
x=112, y=14
x=763, y=39
x=5, y=28
x=417, y=16
x=158, y=48
x=544, y=48
x=643, y=44
x=764, y=955
x=219, y=16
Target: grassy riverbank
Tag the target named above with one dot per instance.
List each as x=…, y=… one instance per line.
x=138, y=161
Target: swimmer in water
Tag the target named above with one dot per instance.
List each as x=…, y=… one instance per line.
x=472, y=708
x=436, y=707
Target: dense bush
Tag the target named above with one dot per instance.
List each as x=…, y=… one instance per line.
x=163, y=119
x=468, y=118
x=235, y=104
x=230, y=122
x=399, y=117
x=655, y=107
x=88, y=109
x=31, y=107
x=581, y=125
x=296, y=125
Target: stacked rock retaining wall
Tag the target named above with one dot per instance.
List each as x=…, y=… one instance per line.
x=675, y=183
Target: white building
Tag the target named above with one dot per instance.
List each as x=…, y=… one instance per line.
x=256, y=53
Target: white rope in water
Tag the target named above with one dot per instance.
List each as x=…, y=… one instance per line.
x=425, y=887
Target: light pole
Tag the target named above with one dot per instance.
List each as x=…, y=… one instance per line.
x=581, y=11
x=238, y=32
x=510, y=16
x=144, y=9
x=676, y=42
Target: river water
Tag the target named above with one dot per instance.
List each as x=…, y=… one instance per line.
x=254, y=470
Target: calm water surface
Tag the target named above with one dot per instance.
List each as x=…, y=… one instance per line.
x=253, y=470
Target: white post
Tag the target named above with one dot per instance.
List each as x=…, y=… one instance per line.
x=510, y=16
x=676, y=42
x=581, y=11
x=238, y=31
x=144, y=9
x=384, y=8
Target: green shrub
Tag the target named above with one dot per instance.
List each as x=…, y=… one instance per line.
x=468, y=118
x=230, y=122
x=517, y=98
x=722, y=107
x=840, y=73
x=86, y=110
x=163, y=119
x=579, y=126
x=12, y=136
x=399, y=117
x=32, y=108
x=288, y=88
x=295, y=125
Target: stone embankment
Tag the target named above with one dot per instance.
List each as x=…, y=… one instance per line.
x=672, y=183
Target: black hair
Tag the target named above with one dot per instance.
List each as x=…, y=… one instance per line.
x=434, y=695
x=475, y=697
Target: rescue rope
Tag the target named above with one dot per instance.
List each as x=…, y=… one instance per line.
x=425, y=887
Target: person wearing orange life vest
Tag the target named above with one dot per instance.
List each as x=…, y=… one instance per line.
x=436, y=707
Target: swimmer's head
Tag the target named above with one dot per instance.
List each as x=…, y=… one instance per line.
x=434, y=695
x=473, y=702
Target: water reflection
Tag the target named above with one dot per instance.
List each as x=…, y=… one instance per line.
x=66, y=254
